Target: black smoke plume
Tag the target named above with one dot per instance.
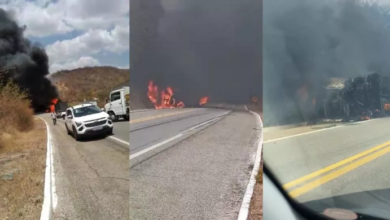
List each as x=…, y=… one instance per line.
x=306, y=42
x=199, y=48
x=27, y=63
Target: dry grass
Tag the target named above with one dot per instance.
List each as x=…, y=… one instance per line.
x=87, y=83
x=15, y=111
x=22, y=169
x=22, y=156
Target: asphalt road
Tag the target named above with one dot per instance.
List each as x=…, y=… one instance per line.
x=296, y=157
x=148, y=128
x=202, y=175
x=91, y=177
x=121, y=130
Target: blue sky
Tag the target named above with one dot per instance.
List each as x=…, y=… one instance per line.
x=76, y=33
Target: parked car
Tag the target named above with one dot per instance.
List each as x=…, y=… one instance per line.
x=87, y=120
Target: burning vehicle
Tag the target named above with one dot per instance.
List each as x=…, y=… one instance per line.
x=60, y=108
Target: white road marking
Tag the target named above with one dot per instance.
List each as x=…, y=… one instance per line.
x=244, y=210
x=139, y=153
x=296, y=135
x=119, y=140
x=50, y=196
x=310, y=132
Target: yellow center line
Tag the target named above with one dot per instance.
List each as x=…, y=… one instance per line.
x=333, y=166
x=324, y=179
x=157, y=116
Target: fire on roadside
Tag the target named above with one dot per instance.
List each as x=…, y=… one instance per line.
x=203, y=100
x=51, y=106
x=164, y=99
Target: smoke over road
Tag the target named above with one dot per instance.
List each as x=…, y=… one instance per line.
x=30, y=62
x=306, y=42
x=199, y=48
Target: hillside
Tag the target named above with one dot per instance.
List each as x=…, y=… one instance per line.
x=95, y=82
x=88, y=83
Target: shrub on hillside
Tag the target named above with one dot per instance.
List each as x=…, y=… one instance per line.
x=15, y=111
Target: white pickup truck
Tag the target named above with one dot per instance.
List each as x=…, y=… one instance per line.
x=117, y=105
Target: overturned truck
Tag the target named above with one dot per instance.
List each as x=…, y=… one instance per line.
x=364, y=97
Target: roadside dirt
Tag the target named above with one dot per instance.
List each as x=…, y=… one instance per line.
x=256, y=207
x=22, y=171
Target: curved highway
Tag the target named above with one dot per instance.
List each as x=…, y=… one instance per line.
x=190, y=163
x=91, y=176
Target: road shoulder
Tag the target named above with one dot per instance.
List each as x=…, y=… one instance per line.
x=256, y=207
x=22, y=172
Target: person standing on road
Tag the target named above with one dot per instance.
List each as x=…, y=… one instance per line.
x=54, y=117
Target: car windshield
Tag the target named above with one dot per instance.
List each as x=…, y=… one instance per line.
x=326, y=75
x=86, y=110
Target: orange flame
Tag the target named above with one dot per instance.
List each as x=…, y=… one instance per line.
x=203, y=100
x=51, y=107
x=180, y=105
x=387, y=106
x=166, y=99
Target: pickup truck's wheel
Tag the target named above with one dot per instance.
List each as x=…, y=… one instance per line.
x=75, y=135
x=126, y=117
x=67, y=129
x=63, y=117
x=112, y=116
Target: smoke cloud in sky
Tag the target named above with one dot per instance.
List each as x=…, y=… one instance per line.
x=306, y=42
x=200, y=48
x=30, y=60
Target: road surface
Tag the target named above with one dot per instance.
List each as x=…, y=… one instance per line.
x=357, y=152
x=200, y=175
x=91, y=177
x=121, y=131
